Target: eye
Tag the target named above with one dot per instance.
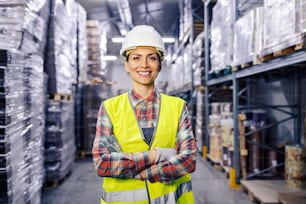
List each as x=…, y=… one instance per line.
x=135, y=58
x=153, y=58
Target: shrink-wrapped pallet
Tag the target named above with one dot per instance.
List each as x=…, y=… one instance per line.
x=61, y=75
x=248, y=37
x=221, y=35
x=289, y=33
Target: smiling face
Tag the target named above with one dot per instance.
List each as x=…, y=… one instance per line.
x=143, y=65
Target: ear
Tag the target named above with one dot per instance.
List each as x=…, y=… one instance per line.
x=126, y=66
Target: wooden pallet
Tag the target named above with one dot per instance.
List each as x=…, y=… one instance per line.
x=283, y=52
x=215, y=163
x=236, y=68
x=266, y=191
x=61, y=97
x=292, y=198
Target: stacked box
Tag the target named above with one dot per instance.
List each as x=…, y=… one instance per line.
x=215, y=133
x=244, y=6
x=93, y=95
x=82, y=55
x=22, y=127
x=290, y=32
x=72, y=15
x=199, y=62
x=220, y=130
x=200, y=120
x=94, y=49
x=14, y=169
x=248, y=37
x=24, y=26
x=60, y=140
x=221, y=36
x=61, y=75
x=295, y=165
x=35, y=92
x=185, y=19
x=175, y=76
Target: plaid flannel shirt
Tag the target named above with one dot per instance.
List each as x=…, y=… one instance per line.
x=110, y=161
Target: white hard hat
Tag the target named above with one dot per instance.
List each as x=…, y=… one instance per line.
x=142, y=35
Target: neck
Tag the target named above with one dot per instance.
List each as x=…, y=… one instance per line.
x=144, y=91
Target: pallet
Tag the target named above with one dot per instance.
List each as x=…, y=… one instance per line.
x=292, y=198
x=238, y=67
x=291, y=48
x=225, y=170
x=215, y=163
x=265, y=191
x=61, y=97
x=200, y=88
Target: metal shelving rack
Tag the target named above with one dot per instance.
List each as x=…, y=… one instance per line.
x=188, y=38
x=290, y=65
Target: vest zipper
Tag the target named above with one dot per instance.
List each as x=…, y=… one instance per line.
x=148, y=193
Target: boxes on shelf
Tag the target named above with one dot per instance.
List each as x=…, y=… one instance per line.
x=215, y=149
x=295, y=165
x=290, y=33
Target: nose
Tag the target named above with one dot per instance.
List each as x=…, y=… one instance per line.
x=144, y=62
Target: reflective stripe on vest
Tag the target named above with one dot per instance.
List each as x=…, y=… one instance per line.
x=141, y=195
x=130, y=139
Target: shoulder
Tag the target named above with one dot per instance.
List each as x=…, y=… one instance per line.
x=116, y=99
x=172, y=98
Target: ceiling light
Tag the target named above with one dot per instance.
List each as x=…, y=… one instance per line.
x=109, y=57
x=165, y=40
x=117, y=39
x=168, y=40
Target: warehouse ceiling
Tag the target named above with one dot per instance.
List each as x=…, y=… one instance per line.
x=118, y=16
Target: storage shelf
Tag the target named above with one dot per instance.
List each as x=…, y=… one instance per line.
x=220, y=80
x=282, y=62
x=271, y=65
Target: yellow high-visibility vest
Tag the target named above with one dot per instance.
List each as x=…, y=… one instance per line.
x=130, y=138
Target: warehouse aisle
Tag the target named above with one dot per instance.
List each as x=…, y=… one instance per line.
x=83, y=186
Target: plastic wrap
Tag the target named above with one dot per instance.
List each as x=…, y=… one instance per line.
x=198, y=65
x=59, y=67
x=60, y=140
x=248, y=36
x=22, y=27
x=246, y=5
x=82, y=44
x=290, y=32
x=175, y=76
x=221, y=35
x=200, y=119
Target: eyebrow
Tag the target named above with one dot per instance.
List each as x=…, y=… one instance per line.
x=150, y=54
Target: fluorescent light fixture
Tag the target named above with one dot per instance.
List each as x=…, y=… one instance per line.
x=120, y=40
x=168, y=40
x=109, y=57
x=117, y=39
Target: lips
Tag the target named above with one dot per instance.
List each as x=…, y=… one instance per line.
x=144, y=73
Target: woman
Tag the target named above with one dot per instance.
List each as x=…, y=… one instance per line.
x=144, y=146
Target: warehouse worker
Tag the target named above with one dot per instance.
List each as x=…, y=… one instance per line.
x=144, y=147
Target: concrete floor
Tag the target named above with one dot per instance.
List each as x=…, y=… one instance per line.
x=83, y=186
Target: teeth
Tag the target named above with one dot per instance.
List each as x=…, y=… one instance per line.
x=144, y=73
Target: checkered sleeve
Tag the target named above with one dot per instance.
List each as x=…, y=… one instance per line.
x=184, y=163
x=108, y=159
